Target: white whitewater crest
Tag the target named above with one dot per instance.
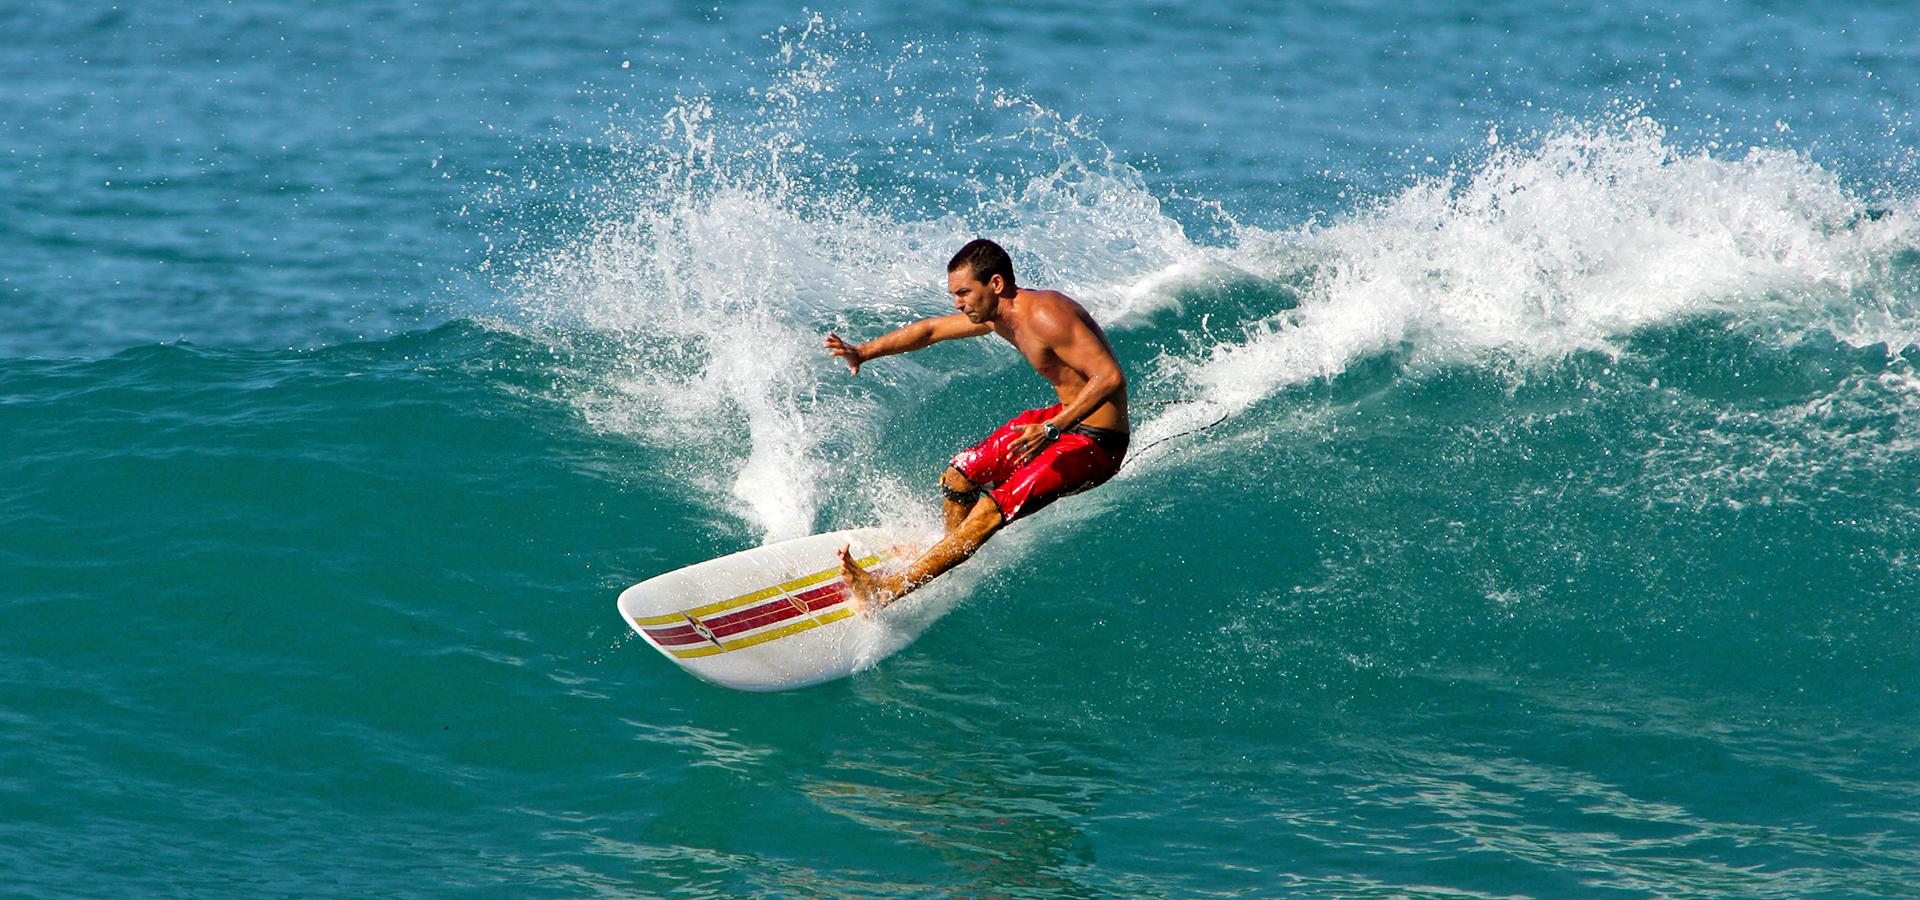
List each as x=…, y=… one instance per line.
x=732, y=245
x=729, y=243
x=1565, y=245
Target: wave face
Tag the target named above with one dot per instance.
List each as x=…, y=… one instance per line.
x=1524, y=496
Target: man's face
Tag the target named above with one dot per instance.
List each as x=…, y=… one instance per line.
x=978, y=299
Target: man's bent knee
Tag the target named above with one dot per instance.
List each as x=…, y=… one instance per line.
x=957, y=487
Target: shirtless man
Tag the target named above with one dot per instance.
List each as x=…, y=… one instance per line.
x=1040, y=455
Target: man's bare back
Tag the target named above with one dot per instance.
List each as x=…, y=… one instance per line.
x=1037, y=457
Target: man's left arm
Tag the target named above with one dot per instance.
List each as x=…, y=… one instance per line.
x=1082, y=350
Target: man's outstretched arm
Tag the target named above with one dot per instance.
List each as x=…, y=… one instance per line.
x=905, y=339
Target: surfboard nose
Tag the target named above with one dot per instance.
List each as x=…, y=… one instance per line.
x=764, y=619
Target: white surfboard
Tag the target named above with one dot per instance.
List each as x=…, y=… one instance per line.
x=771, y=618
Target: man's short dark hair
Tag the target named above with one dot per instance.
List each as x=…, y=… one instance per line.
x=985, y=259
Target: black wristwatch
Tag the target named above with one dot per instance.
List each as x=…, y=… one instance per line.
x=1053, y=434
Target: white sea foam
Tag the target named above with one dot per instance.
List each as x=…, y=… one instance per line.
x=735, y=244
x=1561, y=245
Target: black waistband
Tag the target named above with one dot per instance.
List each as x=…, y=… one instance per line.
x=1105, y=438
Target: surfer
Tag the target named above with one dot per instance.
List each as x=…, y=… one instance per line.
x=1040, y=455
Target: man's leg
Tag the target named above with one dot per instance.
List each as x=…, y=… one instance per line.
x=871, y=591
x=958, y=497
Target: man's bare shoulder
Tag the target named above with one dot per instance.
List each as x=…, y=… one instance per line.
x=1055, y=313
x=1055, y=299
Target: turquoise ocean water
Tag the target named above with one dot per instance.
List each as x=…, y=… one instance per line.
x=1538, y=514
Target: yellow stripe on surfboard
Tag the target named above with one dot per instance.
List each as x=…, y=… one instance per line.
x=764, y=636
x=744, y=599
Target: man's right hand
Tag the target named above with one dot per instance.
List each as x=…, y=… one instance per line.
x=846, y=351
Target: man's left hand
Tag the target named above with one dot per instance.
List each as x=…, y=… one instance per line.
x=1032, y=440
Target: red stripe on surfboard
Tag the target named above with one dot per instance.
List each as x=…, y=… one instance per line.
x=728, y=624
x=674, y=636
x=748, y=619
x=823, y=596
x=820, y=597
x=775, y=610
x=733, y=623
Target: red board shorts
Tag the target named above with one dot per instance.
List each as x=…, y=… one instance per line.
x=1081, y=459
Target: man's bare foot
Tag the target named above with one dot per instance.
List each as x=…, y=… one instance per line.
x=867, y=591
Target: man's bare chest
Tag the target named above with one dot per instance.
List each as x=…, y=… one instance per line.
x=1038, y=353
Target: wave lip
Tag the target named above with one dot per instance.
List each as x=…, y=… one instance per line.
x=727, y=247
x=1564, y=246
x=727, y=244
